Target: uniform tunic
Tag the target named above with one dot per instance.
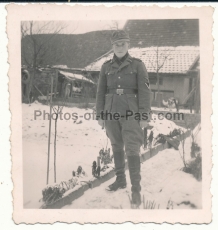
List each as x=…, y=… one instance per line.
x=131, y=74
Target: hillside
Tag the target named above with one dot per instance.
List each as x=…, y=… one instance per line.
x=79, y=50
x=74, y=50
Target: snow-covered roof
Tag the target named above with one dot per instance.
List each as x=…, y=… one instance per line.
x=74, y=76
x=174, y=59
x=60, y=66
x=66, y=68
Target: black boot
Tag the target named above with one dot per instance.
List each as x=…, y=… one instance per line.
x=135, y=177
x=119, y=161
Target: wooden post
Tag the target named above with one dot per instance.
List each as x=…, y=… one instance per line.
x=56, y=83
x=47, y=97
x=71, y=89
x=49, y=132
x=55, y=139
x=197, y=94
x=145, y=138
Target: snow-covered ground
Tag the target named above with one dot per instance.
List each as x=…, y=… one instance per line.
x=162, y=181
x=172, y=110
x=79, y=144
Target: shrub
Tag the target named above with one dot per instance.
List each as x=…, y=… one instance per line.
x=195, y=166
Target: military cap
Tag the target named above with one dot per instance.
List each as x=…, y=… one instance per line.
x=119, y=35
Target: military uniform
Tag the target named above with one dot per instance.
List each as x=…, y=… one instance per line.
x=123, y=88
x=131, y=76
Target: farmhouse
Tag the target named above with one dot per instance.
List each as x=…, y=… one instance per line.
x=170, y=50
x=74, y=84
x=67, y=83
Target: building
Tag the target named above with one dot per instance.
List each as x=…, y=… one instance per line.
x=170, y=50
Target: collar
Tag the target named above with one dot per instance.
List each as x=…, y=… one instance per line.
x=126, y=62
x=119, y=61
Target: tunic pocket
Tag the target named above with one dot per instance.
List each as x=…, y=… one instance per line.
x=130, y=79
x=133, y=102
x=110, y=78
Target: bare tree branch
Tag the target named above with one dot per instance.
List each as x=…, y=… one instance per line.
x=157, y=63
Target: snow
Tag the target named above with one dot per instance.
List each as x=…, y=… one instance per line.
x=79, y=144
x=162, y=126
x=176, y=59
x=60, y=66
x=162, y=181
x=172, y=110
x=74, y=76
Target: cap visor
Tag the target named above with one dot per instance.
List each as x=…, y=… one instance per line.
x=120, y=40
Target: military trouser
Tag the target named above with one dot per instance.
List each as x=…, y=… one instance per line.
x=129, y=135
x=125, y=133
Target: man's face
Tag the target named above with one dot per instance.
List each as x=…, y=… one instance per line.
x=120, y=48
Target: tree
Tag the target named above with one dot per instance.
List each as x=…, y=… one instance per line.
x=115, y=25
x=36, y=39
x=110, y=28
x=38, y=36
x=57, y=110
x=157, y=58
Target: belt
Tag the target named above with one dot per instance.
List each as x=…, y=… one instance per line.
x=122, y=91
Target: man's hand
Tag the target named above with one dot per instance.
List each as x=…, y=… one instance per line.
x=143, y=124
x=101, y=123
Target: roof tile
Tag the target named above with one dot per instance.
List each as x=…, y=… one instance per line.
x=172, y=59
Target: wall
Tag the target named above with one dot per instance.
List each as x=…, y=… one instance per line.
x=178, y=84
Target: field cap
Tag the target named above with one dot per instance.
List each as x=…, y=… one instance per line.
x=119, y=35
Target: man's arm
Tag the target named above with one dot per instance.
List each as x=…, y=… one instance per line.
x=143, y=90
x=101, y=91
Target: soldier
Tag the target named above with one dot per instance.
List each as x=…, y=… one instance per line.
x=123, y=89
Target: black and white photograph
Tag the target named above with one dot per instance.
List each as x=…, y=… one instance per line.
x=112, y=114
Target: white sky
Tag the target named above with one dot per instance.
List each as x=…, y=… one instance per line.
x=71, y=27
x=80, y=27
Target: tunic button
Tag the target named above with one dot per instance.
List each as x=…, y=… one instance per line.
x=119, y=86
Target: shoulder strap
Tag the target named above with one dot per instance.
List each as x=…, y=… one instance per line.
x=137, y=59
x=107, y=61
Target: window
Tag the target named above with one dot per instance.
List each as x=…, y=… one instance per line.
x=160, y=93
x=153, y=81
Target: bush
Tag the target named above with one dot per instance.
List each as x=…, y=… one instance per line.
x=194, y=149
x=195, y=166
